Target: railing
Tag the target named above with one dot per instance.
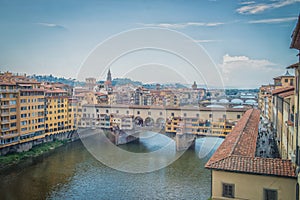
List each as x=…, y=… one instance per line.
x=8, y=90
x=4, y=113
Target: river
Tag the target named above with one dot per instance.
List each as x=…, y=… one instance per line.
x=71, y=172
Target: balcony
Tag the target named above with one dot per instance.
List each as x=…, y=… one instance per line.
x=4, y=121
x=5, y=106
x=5, y=129
x=4, y=113
x=8, y=90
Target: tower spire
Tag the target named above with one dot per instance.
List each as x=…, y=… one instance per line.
x=108, y=75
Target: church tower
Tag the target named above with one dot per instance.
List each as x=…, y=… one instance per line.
x=108, y=76
x=194, y=86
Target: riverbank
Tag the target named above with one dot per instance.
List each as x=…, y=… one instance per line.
x=15, y=158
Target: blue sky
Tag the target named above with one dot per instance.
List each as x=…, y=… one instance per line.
x=248, y=40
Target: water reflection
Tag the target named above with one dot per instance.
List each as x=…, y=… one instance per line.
x=70, y=172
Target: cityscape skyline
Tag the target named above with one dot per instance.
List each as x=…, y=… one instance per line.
x=242, y=39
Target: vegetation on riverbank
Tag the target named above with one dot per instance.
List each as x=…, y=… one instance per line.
x=15, y=158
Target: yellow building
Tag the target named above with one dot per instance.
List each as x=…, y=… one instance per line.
x=283, y=121
x=57, y=111
x=265, y=100
x=22, y=110
x=198, y=126
x=73, y=107
x=237, y=173
x=31, y=114
x=285, y=80
x=295, y=44
x=8, y=113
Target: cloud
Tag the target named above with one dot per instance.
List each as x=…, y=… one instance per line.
x=247, y=2
x=242, y=71
x=183, y=25
x=261, y=7
x=50, y=25
x=207, y=41
x=273, y=21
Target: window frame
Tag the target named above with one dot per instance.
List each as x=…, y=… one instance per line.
x=270, y=190
x=226, y=193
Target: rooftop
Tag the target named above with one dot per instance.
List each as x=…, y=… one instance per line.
x=237, y=152
x=295, y=44
x=282, y=90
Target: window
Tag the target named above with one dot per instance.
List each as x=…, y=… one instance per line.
x=107, y=111
x=197, y=115
x=160, y=113
x=12, y=102
x=238, y=116
x=270, y=194
x=149, y=113
x=228, y=190
x=184, y=114
x=127, y=112
x=286, y=80
x=172, y=114
x=210, y=115
x=138, y=112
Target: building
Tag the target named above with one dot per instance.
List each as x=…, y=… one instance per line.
x=237, y=173
x=90, y=84
x=283, y=120
x=198, y=126
x=22, y=110
x=31, y=111
x=285, y=80
x=61, y=112
x=295, y=44
x=265, y=100
x=168, y=117
x=142, y=97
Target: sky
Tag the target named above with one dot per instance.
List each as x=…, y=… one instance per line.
x=247, y=41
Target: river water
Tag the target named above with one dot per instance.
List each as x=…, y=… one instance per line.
x=71, y=172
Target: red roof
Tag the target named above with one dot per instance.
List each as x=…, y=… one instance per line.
x=295, y=44
x=56, y=91
x=281, y=90
x=287, y=94
x=256, y=165
x=237, y=152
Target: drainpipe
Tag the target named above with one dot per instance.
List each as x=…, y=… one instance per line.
x=281, y=141
x=297, y=114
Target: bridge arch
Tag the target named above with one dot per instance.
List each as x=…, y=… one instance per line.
x=160, y=122
x=149, y=121
x=215, y=106
x=223, y=101
x=237, y=101
x=138, y=121
x=251, y=102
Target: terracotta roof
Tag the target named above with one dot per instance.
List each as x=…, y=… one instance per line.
x=32, y=90
x=281, y=90
x=295, y=65
x=287, y=94
x=237, y=152
x=56, y=91
x=256, y=165
x=296, y=36
x=6, y=83
x=183, y=108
